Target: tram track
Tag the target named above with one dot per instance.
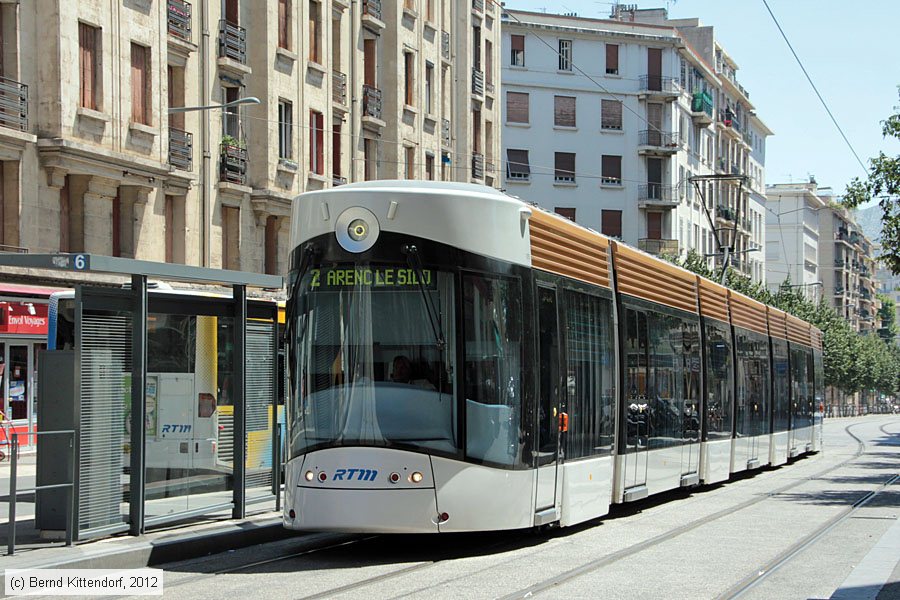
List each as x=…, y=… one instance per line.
x=589, y=567
x=326, y=544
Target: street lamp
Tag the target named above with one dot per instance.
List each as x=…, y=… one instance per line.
x=204, y=168
x=238, y=102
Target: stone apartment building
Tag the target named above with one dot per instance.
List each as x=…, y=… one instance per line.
x=607, y=121
x=94, y=161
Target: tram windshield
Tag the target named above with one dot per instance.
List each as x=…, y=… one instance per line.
x=375, y=361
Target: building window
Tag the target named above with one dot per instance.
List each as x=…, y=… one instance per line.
x=285, y=129
x=89, y=53
x=429, y=166
x=315, y=32
x=612, y=59
x=231, y=123
x=410, y=153
x=611, y=114
x=565, y=55
x=370, y=56
x=564, y=111
x=429, y=87
x=370, y=159
x=316, y=143
x=284, y=24
x=517, y=167
x=517, y=50
x=409, y=60
x=489, y=64
x=564, y=167
x=231, y=238
x=409, y=5
x=336, y=149
x=568, y=213
x=611, y=170
x=516, y=107
x=140, y=84
x=271, y=249
x=429, y=11
x=611, y=223
x=175, y=76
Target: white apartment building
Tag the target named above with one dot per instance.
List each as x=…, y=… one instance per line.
x=607, y=121
x=94, y=161
x=792, y=242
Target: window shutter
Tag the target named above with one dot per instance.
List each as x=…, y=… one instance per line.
x=516, y=107
x=517, y=166
x=564, y=166
x=564, y=111
x=568, y=213
x=518, y=42
x=611, y=114
x=612, y=59
x=612, y=169
x=138, y=76
x=87, y=37
x=611, y=223
x=283, y=23
x=369, y=59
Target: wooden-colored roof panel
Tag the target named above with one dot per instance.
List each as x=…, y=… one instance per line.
x=748, y=313
x=713, y=300
x=777, y=323
x=645, y=277
x=799, y=331
x=559, y=246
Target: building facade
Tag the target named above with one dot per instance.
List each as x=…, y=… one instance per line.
x=615, y=143
x=94, y=161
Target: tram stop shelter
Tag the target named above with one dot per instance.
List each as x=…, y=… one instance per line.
x=170, y=398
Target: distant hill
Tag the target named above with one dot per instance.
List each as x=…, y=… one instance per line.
x=870, y=221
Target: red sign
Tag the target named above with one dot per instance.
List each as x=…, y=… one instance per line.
x=23, y=318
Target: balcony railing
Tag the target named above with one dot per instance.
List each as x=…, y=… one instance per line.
x=337, y=180
x=233, y=164
x=748, y=138
x=181, y=149
x=13, y=104
x=840, y=263
x=445, y=132
x=477, y=166
x=656, y=192
x=372, y=8
x=658, y=246
x=702, y=102
x=658, y=139
x=339, y=88
x=180, y=19
x=477, y=82
x=7, y=249
x=445, y=45
x=371, y=101
x=729, y=119
x=478, y=5
x=659, y=84
x=232, y=42
x=723, y=212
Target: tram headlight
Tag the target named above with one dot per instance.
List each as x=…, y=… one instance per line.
x=416, y=477
x=310, y=475
x=358, y=230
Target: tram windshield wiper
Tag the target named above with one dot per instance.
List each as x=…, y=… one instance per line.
x=415, y=263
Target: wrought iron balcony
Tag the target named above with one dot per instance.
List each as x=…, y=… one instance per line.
x=232, y=42
x=477, y=165
x=339, y=88
x=659, y=140
x=725, y=213
x=233, y=164
x=658, y=246
x=477, y=82
x=657, y=85
x=337, y=180
x=657, y=193
x=180, y=19
x=445, y=132
x=181, y=149
x=478, y=5
x=702, y=104
x=13, y=104
x=371, y=101
x=372, y=8
x=445, y=45
x=729, y=120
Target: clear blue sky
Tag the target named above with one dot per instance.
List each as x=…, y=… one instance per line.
x=850, y=50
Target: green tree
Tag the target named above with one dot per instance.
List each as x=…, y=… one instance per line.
x=888, y=316
x=883, y=184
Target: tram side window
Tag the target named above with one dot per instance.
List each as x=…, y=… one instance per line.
x=781, y=403
x=637, y=409
x=799, y=387
x=589, y=376
x=752, y=383
x=719, y=374
x=667, y=376
x=819, y=380
x=810, y=386
x=492, y=313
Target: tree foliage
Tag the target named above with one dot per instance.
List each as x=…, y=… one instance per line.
x=852, y=361
x=888, y=316
x=883, y=184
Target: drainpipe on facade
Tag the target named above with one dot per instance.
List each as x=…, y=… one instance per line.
x=355, y=112
x=204, y=135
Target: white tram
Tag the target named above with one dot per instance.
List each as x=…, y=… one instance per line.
x=461, y=361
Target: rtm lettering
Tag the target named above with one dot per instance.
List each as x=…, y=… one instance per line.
x=170, y=428
x=361, y=474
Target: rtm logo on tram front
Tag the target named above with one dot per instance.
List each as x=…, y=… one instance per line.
x=361, y=474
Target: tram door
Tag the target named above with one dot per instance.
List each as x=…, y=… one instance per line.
x=550, y=415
